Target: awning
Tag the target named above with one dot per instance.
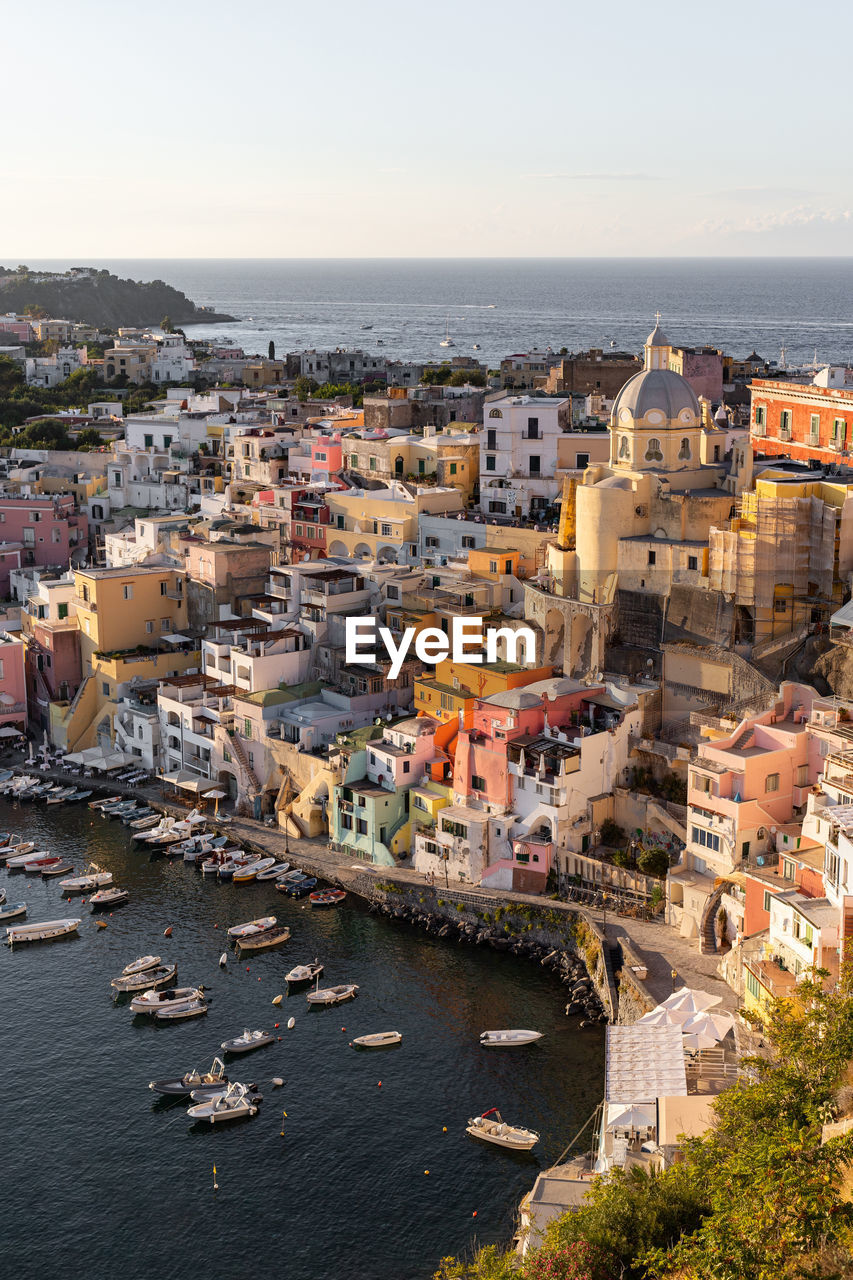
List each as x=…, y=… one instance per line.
x=186, y=781
x=175, y=637
x=642, y=1063
x=113, y=760
x=8, y=732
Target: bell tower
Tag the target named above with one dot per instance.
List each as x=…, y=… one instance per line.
x=657, y=347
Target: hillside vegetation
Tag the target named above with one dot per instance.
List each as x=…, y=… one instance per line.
x=98, y=298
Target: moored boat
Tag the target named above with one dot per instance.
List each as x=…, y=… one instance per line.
x=60, y=869
x=178, y=1012
x=275, y=872
x=248, y=1041
x=304, y=973
x=489, y=1127
x=147, y=981
x=140, y=965
x=378, y=1040
x=20, y=860
x=12, y=911
x=332, y=995
x=299, y=888
x=326, y=897
x=16, y=848
x=509, y=1037
x=43, y=931
x=234, y=1104
x=92, y=879
x=150, y=1001
x=215, y=1078
x=244, y=874
x=106, y=898
x=40, y=865
x=252, y=926
x=264, y=941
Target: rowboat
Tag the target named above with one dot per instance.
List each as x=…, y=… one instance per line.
x=151, y=1001
x=42, y=932
x=244, y=874
x=176, y=1013
x=140, y=965
x=106, y=800
x=21, y=860
x=148, y=981
x=60, y=797
x=60, y=869
x=227, y=869
x=379, y=1040
x=106, y=898
x=300, y=887
x=264, y=941
x=19, y=847
x=248, y=1041
x=40, y=865
x=509, y=1037
x=275, y=872
x=12, y=910
x=82, y=884
x=491, y=1128
x=332, y=995
x=304, y=973
x=235, y=1103
x=252, y=926
x=287, y=878
x=326, y=897
x=215, y=1078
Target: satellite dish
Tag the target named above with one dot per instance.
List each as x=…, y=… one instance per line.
x=388, y=718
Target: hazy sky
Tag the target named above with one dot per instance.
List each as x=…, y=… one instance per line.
x=268, y=128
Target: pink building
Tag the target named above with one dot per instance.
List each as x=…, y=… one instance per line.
x=326, y=457
x=49, y=528
x=21, y=329
x=13, y=682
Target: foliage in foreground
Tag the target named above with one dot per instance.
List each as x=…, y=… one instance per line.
x=759, y=1197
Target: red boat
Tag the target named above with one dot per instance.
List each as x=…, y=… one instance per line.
x=42, y=864
x=326, y=897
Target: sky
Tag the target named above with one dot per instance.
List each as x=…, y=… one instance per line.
x=268, y=128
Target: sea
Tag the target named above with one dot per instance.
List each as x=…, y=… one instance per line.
x=798, y=311
x=359, y=1165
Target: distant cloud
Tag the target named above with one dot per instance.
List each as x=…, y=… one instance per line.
x=776, y=193
x=760, y=224
x=593, y=177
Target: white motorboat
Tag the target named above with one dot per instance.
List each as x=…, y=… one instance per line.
x=248, y=1041
x=140, y=965
x=215, y=1078
x=332, y=995
x=83, y=884
x=176, y=1013
x=147, y=981
x=106, y=898
x=227, y=869
x=304, y=973
x=41, y=932
x=379, y=1040
x=235, y=1103
x=509, y=1037
x=12, y=910
x=491, y=1128
x=152, y=1001
x=252, y=926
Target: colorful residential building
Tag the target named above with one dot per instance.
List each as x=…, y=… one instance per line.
x=808, y=421
x=13, y=682
x=50, y=530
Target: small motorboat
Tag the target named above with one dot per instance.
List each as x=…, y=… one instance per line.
x=332, y=995
x=107, y=800
x=18, y=848
x=151, y=1001
x=491, y=1128
x=248, y=1041
x=215, y=1078
x=40, y=865
x=60, y=869
x=141, y=965
x=60, y=797
x=326, y=897
x=144, y=824
x=234, y=1104
x=42, y=932
x=252, y=926
x=264, y=941
x=379, y=1040
x=12, y=910
x=176, y=1013
x=94, y=879
x=299, y=888
x=304, y=973
x=210, y=866
x=230, y=865
x=212, y=1092
x=106, y=898
x=274, y=873
x=78, y=795
x=509, y=1037
x=147, y=981
x=243, y=874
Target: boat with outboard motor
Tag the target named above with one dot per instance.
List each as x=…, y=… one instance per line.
x=322, y=996
x=152, y=1001
x=264, y=941
x=248, y=1041
x=510, y=1037
x=490, y=1127
x=215, y=1078
x=261, y=925
x=104, y=899
x=44, y=931
x=147, y=981
x=303, y=973
x=378, y=1040
x=234, y=1104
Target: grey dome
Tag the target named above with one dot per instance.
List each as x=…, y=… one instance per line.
x=655, y=389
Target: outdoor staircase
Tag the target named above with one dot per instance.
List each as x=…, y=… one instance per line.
x=743, y=738
x=243, y=761
x=707, y=932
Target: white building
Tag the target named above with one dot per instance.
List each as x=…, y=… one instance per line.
x=49, y=371
x=518, y=453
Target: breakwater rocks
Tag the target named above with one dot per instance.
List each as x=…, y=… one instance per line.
x=542, y=937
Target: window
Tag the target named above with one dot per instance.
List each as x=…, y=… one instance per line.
x=623, y=446
x=477, y=783
x=247, y=728
x=780, y=605
x=105, y=688
x=652, y=557
x=149, y=442
x=469, y=542
x=497, y=508
x=772, y=782
x=491, y=441
x=353, y=459
x=419, y=802
x=387, y=531
x=760, y=415
x=297, y=529
x=653, y=450
x=702, y=784
x=491, y=462
x=495, y=413
x=361, y=827
x=581, y=461
x=814, y=429
x=493, y=566
x=692, y=562
x=534, y=464
x=838, y=433
x=768, y=896
x=802, y=775
x=127, y=591
x=149, y=626
x=165, y=625
x=752, y=985
x=407, y=766
x=785, y=424
x=684, y=451
x=453, y=468
x=371, y=462
x=532, y=428
x=35, y=516
x=164, y=587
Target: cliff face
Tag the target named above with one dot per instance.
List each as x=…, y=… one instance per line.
x=99, y=298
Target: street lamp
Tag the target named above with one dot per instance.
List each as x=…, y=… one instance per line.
x=673, y=975
x=444, y=858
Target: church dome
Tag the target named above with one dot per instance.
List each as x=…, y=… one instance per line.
x=655, y=389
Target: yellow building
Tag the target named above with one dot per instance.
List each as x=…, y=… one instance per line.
x=494, y=562
x=383, y=523
x=455, y=685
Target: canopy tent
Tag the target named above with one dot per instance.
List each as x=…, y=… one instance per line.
x=186, y=781
x=175, y=637
x=643, y=1062
x=8, y=732
x=99, y=759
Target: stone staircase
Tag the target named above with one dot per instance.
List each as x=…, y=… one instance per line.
x=243, y=760
x=707, y=932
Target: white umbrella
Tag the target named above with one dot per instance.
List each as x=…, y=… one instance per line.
x=660, y=1017
x=697, y=1040
x=629, y=1117
x=217, y=796
x=689, y=1001
x=709, y=1024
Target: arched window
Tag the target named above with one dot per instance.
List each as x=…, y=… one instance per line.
x=623, y=446
x=495, y=413
x=653, y=451
x=684, y=451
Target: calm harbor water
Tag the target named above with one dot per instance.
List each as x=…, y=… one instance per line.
x=399, y=307
x=101, y=1177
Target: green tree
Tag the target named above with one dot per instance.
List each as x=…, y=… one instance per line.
x=469, y=377
x=271, y=350
x=166, y=324
x=654, y=862
x=303, y=388
x=89, y=438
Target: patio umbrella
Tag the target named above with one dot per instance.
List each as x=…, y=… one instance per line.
x=217, y=796
x=630, y=1117
x=689, y=1001
x=709, y=1024
x=697, y=1040
x=660, y=1017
